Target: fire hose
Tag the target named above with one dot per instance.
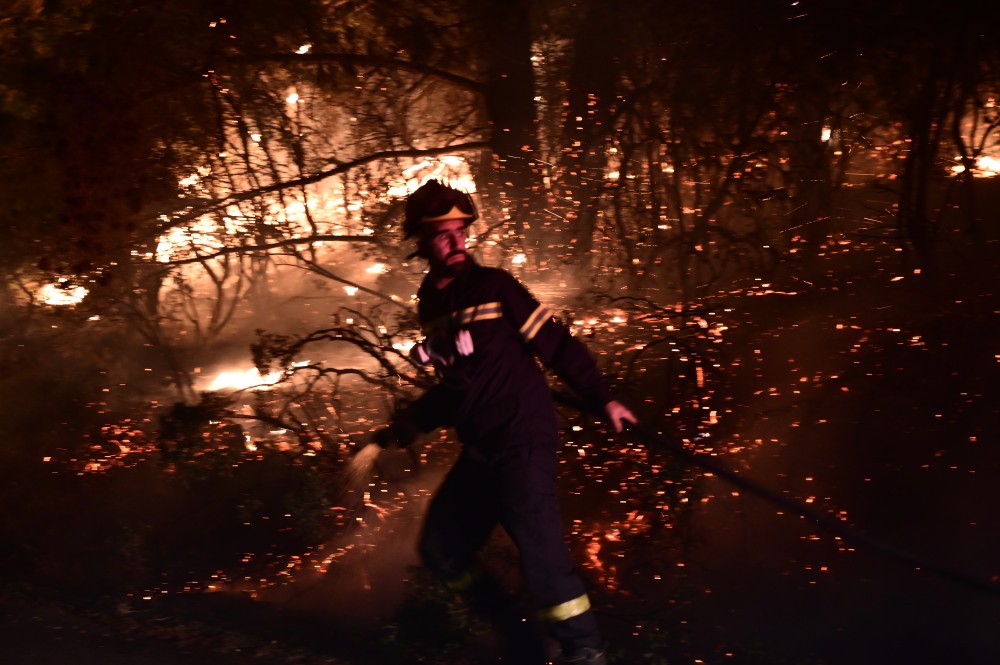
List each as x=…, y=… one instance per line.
x=661, y=442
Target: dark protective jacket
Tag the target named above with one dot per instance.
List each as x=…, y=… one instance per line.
x=500, y=387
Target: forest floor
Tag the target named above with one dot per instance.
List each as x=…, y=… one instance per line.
x=870, y=394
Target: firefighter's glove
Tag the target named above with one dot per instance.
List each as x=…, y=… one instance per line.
x=442, y=349
x=463, y=343
x=397, y=434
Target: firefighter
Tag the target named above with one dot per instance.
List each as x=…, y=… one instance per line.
x=483, y=331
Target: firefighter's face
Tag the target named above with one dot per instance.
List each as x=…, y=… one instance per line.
x=444, y=244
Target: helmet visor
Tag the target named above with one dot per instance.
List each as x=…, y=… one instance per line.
x=449, y=204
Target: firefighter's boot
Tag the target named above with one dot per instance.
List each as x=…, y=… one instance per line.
x=585, y=656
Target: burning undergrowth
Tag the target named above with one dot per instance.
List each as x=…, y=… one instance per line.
x=261, y=486
x=269, y=493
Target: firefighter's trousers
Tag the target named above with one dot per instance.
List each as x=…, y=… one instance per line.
x=513, y=486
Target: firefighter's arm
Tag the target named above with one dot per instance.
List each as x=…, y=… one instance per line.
x=552, y=342
x=399, y=433
x=428, y=412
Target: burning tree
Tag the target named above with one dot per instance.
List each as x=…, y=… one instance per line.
x=285, y=141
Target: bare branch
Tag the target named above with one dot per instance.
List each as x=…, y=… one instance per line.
x=204, y=208
x=267, y=247
x=365, y=60
x=320, y=270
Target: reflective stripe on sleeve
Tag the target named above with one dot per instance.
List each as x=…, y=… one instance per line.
x=567, y=610
x=535, y=322
x=463, y=317
x=483, y=312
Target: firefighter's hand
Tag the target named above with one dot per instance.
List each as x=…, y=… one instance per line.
x=619, y=414
x=397, y=434
x=427, y=352
x=463, y=343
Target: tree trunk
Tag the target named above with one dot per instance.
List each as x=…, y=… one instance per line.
x=510, y=105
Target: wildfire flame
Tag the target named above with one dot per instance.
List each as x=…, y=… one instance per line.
x=60, y=294
x=451, y=168
x=243, y=380
x=986, y=167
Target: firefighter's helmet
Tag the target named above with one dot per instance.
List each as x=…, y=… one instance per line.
x=435, y=202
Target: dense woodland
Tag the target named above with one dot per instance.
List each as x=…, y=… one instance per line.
x=178, y=161
x=195, y=186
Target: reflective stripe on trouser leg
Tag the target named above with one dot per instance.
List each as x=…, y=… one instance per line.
x=563, y=611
